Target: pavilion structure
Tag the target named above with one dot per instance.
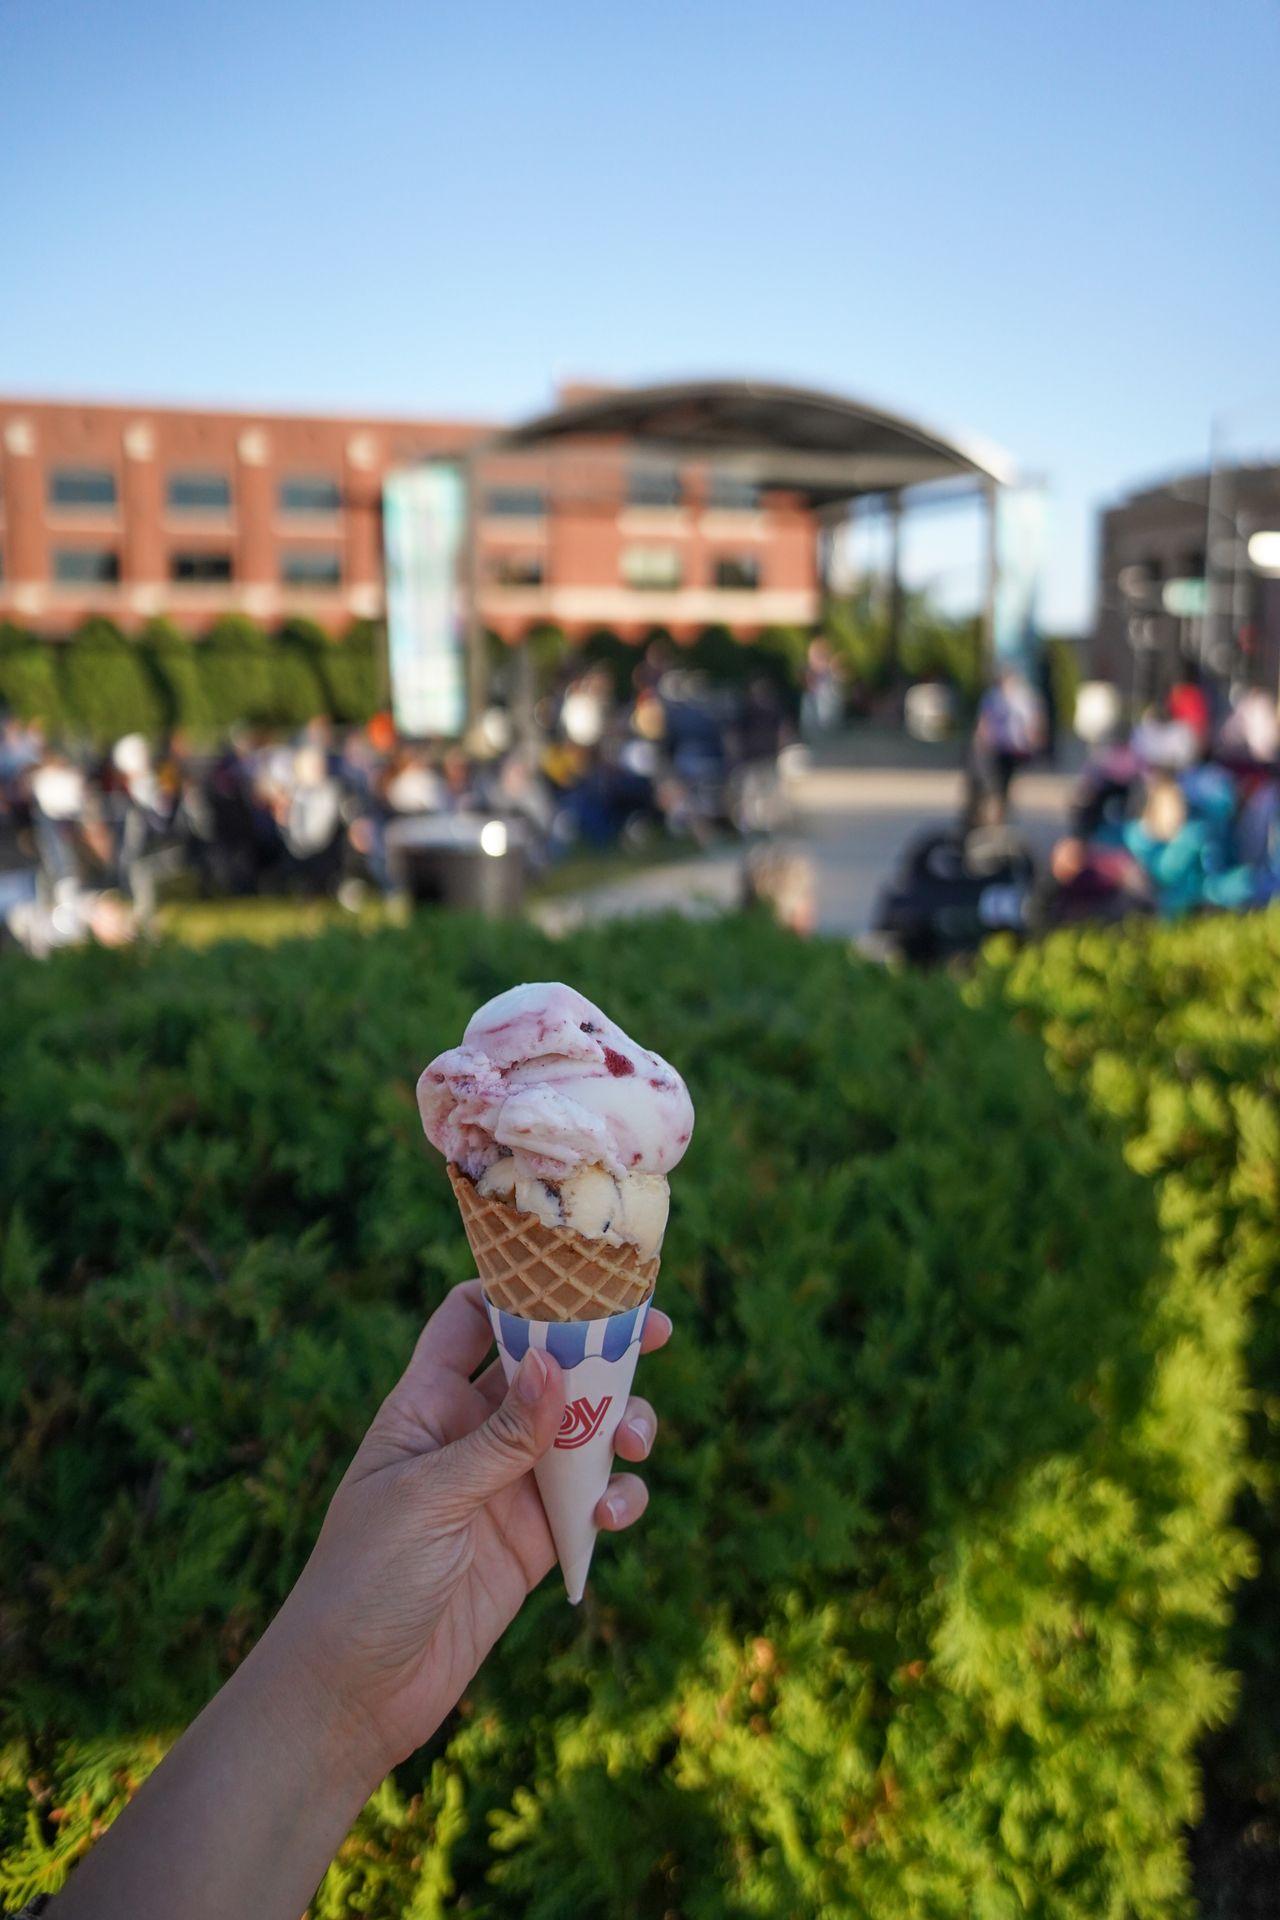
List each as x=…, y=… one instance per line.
x=825, y=448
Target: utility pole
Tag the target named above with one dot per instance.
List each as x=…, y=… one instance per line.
x=893, y=506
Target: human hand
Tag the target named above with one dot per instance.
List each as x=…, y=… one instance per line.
x=436, y=1533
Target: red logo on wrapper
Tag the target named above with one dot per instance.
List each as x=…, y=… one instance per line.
x=580, y=1421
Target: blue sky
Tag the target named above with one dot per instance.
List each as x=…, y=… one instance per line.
x=1051, y=224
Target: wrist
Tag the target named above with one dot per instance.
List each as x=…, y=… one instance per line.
x=348, y=1753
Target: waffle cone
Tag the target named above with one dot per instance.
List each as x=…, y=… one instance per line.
x=548, y=1273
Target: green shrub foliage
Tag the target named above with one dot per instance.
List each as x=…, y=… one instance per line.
x=100, y=684
x=926, y=1614
x=1062, y=660
x=353, y=671
x=299, y=692
x=177, y=663
x=29, y=680
x=109, y=685
x=932, y=644
x=1174, y=1035
x=236, y=672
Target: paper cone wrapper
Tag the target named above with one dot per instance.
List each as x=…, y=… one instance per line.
x=598, y=1360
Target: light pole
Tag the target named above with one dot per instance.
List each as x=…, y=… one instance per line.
x=1262, y=551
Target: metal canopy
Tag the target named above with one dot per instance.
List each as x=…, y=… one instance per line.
x=822, y=445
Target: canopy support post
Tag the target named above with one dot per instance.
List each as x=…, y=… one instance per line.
x=990, y=579
x=893, y=506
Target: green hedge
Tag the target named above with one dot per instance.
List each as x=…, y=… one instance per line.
x=927, y=1613
x=109, y=685
x=1174, y=1036
x=100, y=684
x=777, y=653
x=29, y=683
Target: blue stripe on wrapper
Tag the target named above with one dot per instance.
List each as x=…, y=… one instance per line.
x=570, y=1341
x=567, y=1341
x=621, y=1329
x=514, y=1333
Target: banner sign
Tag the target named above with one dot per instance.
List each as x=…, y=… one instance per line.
x=424, y=518
x=1021, y=529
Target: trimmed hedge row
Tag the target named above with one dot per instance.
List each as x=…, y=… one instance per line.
x=927, y=1613
x=101, y=684
x=1173, y=1035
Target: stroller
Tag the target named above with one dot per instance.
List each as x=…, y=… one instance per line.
x=954, y=888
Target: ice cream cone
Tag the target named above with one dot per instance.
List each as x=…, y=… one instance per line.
x=548, y=1273
x=543, y=1081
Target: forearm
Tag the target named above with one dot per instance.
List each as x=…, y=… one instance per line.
x=245, y=1813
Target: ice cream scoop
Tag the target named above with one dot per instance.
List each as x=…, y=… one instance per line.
x=543, y=1073
x=622, y=1208
x=590, y=1122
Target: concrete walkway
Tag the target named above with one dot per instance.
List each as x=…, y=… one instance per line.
x=852, y=821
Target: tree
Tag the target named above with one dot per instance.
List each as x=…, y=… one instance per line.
x=603, y=648
x=298, y=689
x=109, y=686
x=29, y=684
x=548, y=648
x=353, y=671
x=857, y=625
x=236, y=673
x=177, y=663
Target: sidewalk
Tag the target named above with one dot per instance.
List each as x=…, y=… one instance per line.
x=853, y=819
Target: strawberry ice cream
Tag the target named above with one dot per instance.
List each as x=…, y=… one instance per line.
x=552, y=1108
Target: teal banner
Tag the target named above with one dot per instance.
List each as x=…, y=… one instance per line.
x=1022, y=517
x=424, y=518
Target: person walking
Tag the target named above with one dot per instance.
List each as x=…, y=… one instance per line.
x=1009, y=731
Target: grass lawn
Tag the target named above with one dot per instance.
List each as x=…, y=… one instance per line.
x=268, y=919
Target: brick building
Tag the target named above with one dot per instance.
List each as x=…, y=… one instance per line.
x=136, y=511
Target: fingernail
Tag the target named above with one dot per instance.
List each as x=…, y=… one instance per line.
x=643, y=1431
x=614, y=1506
x=531, y=1377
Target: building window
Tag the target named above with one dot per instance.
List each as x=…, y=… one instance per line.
x=649, y=568
x=517, y=570
x=86, y=566
x=309, y=493
x=92, y=487
x=650, y=486
x=311, y=567
x=516, y=503
x=728, y=494
x=200, y=569
x=198, y=493
x=738, y=572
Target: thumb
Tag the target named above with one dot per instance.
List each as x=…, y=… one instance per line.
x=514, y=1437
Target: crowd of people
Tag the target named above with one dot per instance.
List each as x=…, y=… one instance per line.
x=1179, y=813
x=88, y=840
x=1174, y=814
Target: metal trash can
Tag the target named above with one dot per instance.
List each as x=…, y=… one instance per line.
x=473, y=862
